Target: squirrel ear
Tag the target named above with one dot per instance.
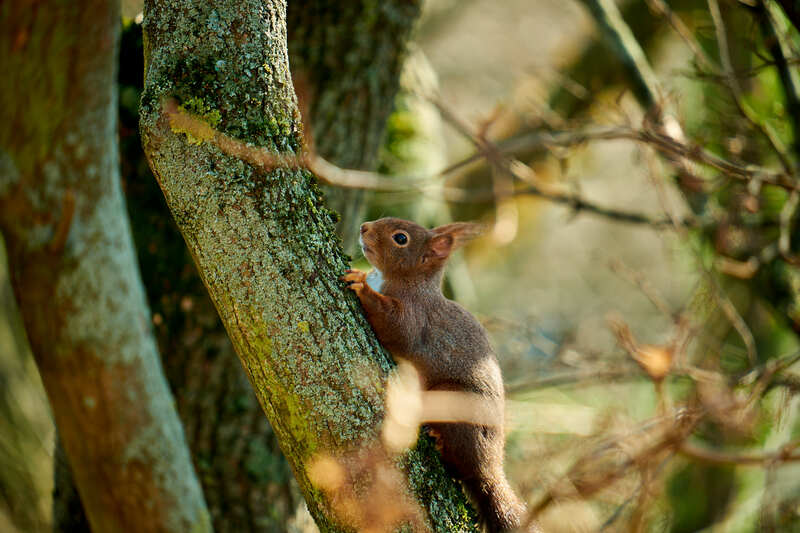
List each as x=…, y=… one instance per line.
x=440, y=246
x=451, y=236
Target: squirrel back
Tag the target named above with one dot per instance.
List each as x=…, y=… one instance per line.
x=449, y=348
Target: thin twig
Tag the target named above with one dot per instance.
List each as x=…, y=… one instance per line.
x=769, y=369
x=732, y=83
x=639, y=280
x=661, y=8
x=183, y=121
x=584, y=377
x=733, y=316
x=522, y=172
x=665, y=144
x=782, y=455
x=682, y=424
x=787, y=215
x=742, y=73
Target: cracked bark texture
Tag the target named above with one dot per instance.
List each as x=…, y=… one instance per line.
x=265, y=245
x=347, y=56
x=74, y=271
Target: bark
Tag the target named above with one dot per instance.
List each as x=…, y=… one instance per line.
x=264, y=243
x=245, y=479
x=74, y=271
x=346, y=60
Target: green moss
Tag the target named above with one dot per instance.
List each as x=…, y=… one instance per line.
x=297, y=421
x=447, y=505
x=198, y=107
x=303, y=326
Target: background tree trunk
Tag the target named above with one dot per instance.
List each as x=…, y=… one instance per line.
x=346, y=60
x=74, y=271
x=264, y=243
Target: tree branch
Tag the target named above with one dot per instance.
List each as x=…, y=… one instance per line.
x=732, y=83
x=619, y=35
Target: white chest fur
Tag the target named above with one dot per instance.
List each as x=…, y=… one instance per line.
x=375, y=279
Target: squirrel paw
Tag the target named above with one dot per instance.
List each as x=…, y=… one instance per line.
x=355, y=277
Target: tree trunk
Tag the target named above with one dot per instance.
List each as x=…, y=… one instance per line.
x=346, y=60
x=74, y=271
x=245, y=479
x=264, y=243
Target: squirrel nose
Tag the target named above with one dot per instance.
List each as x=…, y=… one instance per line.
x=363, y=228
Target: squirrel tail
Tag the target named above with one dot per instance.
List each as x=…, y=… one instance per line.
x=474, y=454
x=499, y=505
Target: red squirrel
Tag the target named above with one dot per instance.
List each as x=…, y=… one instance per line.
x=448, y=347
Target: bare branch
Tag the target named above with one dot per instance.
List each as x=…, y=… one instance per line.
x=732, y=83
x=661, y=8
x=665, y=144
x=647, y=288
x=705, y=455
x=732, y=314
x=182, y=121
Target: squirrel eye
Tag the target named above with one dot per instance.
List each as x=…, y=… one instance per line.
x=400, y=238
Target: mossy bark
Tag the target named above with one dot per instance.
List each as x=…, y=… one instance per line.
x=246, y=481
x=346, y=60
x=74, y=271
x=264, y=243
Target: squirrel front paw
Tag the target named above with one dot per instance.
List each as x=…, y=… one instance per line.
x=355, y=278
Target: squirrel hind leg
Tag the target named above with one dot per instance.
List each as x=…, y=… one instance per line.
x=474, y=454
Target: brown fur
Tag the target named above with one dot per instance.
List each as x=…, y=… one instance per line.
x=447, y=346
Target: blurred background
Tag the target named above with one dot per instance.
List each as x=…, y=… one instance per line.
x=643, y=297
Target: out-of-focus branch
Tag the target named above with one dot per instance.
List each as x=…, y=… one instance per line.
x=623, y=42
x=768, y=371
x=778, y=49
x=732, y=83
x=661, y=8
x=782, y=455
x=183, y=121
x=675, y=429
x=575, y=202
x=734, y=317
x=664, y=144
x=575, y=378
x=522, y=172
x=644, y=285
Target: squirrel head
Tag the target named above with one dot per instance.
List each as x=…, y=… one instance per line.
x=404, y=250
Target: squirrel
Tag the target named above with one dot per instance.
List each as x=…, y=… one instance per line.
x=450, y=350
